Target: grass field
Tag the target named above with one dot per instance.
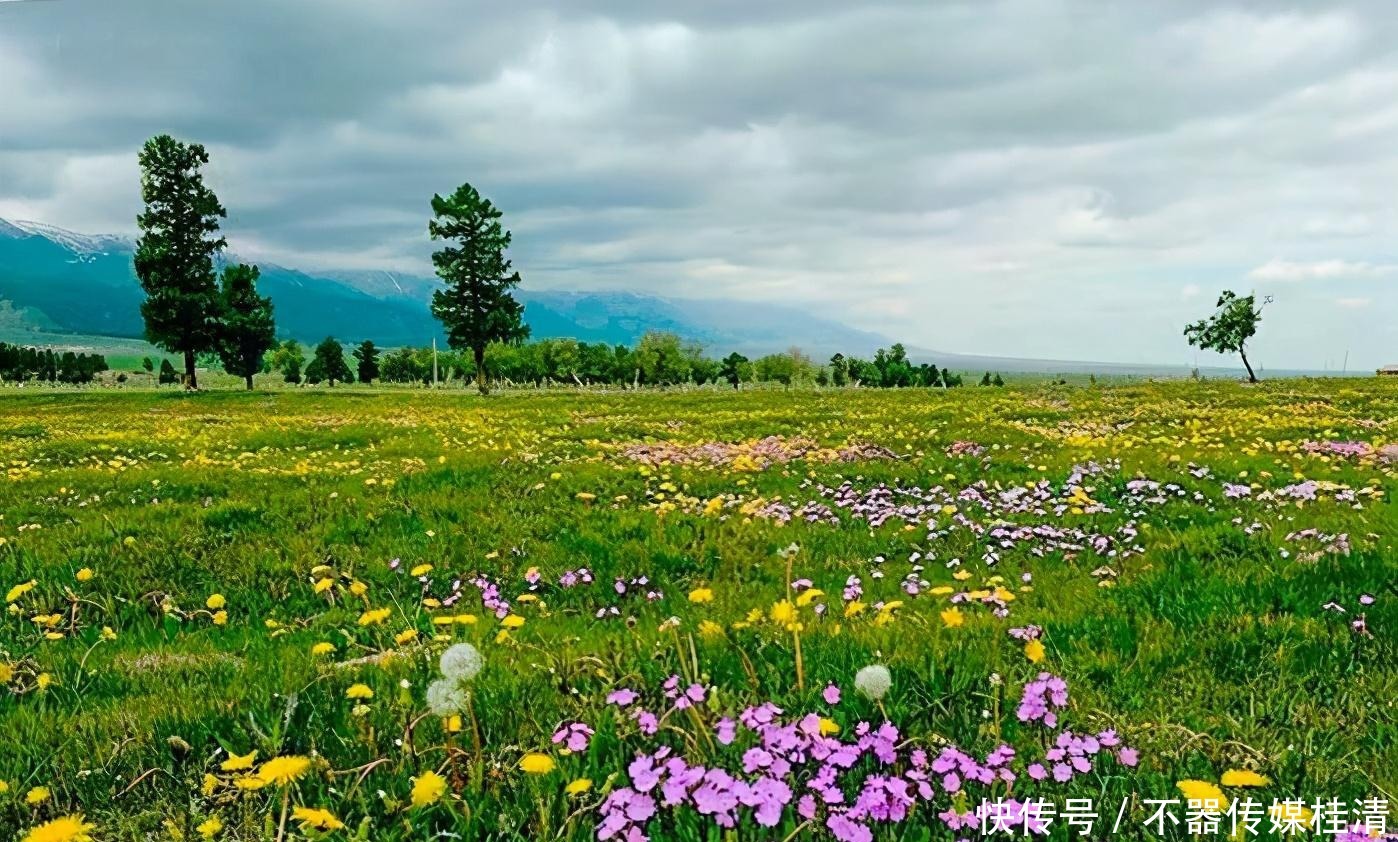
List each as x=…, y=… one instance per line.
x=225, y=611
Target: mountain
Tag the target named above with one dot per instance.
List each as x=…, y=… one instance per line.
x=62, y=281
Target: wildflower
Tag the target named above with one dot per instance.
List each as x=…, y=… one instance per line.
x=210, y=827
x=783, y=612
x=374, y=616
x=359, y=691
x=428, y=788
x=873, y=682
x=209, y=784
x=445, y=697
x=1242, y=777
x=323, y=648
x=953, y=618
x=283, y=770
x=535, y=763
x=405, y=636
x=238, y=763
x=65, y=829
x=579, y=786
x=37, y=795
x=315, y=817
x=699, y=595
x=215, y=602
x=461, y=662
x=20, y=590
x=512, y=621
x=43, y=680
x=7, y=673
x=831, y=694
x=220, y=618
x=84, y=575
x=1034, y=651
x=828, y=727
x=1203, y=792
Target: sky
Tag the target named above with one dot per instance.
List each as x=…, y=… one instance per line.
x=1033, y=178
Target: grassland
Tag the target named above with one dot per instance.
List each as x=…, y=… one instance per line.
x=1209, y=568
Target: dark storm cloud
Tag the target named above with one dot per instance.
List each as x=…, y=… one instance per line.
x=886, y=161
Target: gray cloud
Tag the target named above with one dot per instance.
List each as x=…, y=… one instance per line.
x=1035, y=177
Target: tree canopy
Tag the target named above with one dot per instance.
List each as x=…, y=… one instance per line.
x=175, y=252
x=476, y=307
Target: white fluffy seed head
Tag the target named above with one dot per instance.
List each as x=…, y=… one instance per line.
x=445, y=697
x=873, y=681
x=461, y=662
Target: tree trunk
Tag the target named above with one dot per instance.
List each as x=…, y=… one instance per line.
x=479, y=353
x=1252, y=378
x=190, y=382
x=249, y=381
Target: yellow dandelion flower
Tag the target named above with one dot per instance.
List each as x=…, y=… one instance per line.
x=358, y=588
x=7, y=673
x=84, y=575
x=1034, y=651
x=854, y=609
x=428, y=788
x=512, y=621
x=284, y=770
x=43, y=680
x=20, y=590
x=210, y=827
x=220, y=618
x=421, y=570
x=315, y=817
x=215, y=602
x=535, y=763
x=37, y=795
x=323, y=585
x=700, y=595
x=359, y=691
x=808, y=596
x=828, y=727
x=710, y=629
x=238, y=762
x=953, y=618
x=249, y=782
x=374, y=616
x=405, y=636
x=323, y=648
x=65, y=829
x=209, y=785
x=579, y=786
x=1202, y=792
x=1242, y=777
x=783, y=612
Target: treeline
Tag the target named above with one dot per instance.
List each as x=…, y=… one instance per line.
x=658, y=359
x=19, y=364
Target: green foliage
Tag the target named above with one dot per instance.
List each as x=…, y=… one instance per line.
x=476, y=307
x=368, y=357
x=167, y=373
x=735, y=368
x=1227, y=331
x=329, y=363
x=287, y=358
x=248, y=329
x=174, y=255
x=21, y=363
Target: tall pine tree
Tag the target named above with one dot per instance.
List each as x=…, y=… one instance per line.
x=248, y=329
x=476, y=307
x=175, y=254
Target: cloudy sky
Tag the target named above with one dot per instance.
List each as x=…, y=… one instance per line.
x=1038, y=178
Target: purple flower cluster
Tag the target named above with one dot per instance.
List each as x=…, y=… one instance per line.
x=1042, y=698
x=1073, y=754
x=786, y=764
x=573, y=736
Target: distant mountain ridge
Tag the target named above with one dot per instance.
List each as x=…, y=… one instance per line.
x=60, y=280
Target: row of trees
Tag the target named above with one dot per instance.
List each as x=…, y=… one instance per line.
x=20, y=363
